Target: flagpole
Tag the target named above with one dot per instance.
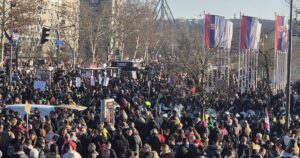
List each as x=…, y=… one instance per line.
x=289, y=68
x=228, y=66
x=27, y=124
x=251, y=70
x=281, y=70
x=285, y=68
x=239, y=67
x=207, y=77
x=256, y=64
x=243, y=70
x=277, y=70
x=204, y=31
x=275, y=58
x=247, y=70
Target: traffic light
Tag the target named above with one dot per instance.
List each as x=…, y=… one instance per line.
x=45, y=34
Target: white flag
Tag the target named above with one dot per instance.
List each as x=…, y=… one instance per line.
x=92, y=81
x=78, y=82
x=257, y=37
x=105, y=81
x=100, y=79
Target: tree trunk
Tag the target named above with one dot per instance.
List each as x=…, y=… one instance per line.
x=2, y=30
x=268, y=76
x=93, y=54
x=137, y=46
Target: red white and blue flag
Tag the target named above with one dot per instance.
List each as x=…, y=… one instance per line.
x=250, y=33
x=281, y=34
x=218, y=32
x=267, y=120
x=213, y=27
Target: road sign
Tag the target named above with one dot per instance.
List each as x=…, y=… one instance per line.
x=60, y=42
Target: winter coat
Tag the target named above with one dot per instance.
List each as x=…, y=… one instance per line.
x=133, y=143
x=182, y=151
x=51, y=155
x=154, y=142
x=121, y=146
x=151, y=154
x=166, y=155
x=93, y=154
x=20, y=154
x=211, y=150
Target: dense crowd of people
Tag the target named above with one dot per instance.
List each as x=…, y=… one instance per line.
x=157, y=118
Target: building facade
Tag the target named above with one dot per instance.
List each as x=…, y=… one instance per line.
x=62, y=18
x=65, y=17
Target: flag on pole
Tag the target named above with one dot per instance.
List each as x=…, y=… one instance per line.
x=267, y=121
x=227, y=33
x=281, y=34
x=257, y=36
x=218, y=32
x=250, y=33
x=214, y=25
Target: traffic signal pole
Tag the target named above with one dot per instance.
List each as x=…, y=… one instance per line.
x=45, y=34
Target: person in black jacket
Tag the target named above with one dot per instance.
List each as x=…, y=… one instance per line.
x=106, y=151
x=183, y=150
x=243, y=148
x=133, y=143
x=19, y=152
x=120, y=145
x=154, y=140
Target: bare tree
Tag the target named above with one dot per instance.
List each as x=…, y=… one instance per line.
x=137, y=27
x=194, y=60
x=94, y=25
x=69, y=27
x=17, y=14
